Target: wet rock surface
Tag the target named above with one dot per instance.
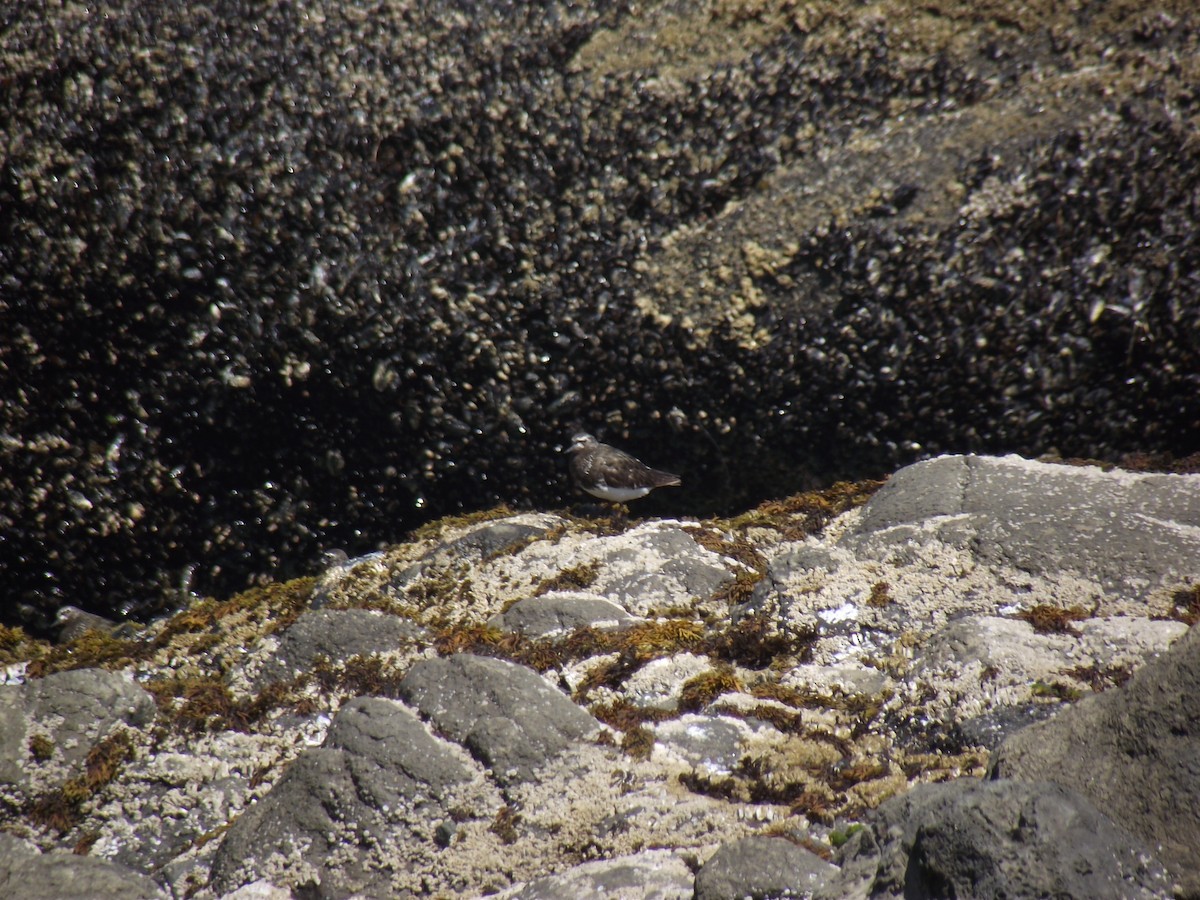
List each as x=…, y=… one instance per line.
x=257, y=304
x=817, y=720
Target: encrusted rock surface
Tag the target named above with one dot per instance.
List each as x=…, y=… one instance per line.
x=276, y=282
x=379, y=782
x=1119, y=749
x=510, y=719
x=1127, y=532
x=761, y=867
x=560, y=612
x=31, y=875
x=813, y=679
x=70, y=711
x=333, y=634
x=994, y=839
x=654, y=875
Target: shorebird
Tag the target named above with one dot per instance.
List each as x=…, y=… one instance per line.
x=73, y=622
x=612, y=474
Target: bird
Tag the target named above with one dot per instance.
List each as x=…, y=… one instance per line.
x=612, y=474
x=73, y=623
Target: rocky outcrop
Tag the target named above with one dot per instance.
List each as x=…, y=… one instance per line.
x=761, y=867
x=507, y=716
x=995, y=839
x=1128, y=533
x=26, y=873
x=276, y=283
x=804, y=698
x=67, y=713
x=1121, y=748
x=372, y=793
x=333, y=634
x=655, y=875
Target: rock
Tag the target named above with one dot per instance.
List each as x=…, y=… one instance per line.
x=401, y=760
x=1011, y=657
x=989, y=729
x=761, y=868
x=993, y=633
x=1044, y=519
x=336, y=635
x=659, y=683
x=73, y=710
x=994, y=839
x=336, y=565
x=713, y=745
x=477, y=544
x=507, y=716
x=973, y=644
x=655, y=567
x=14, y=733
x=330, y=818
x=493, y=538
x=30, y=875
x=259, y=890
x=841, y=682
x=1134, y=752
x=559, y=612
x=848, y=679
x=653, y=875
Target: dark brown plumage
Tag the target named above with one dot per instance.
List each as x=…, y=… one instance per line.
x=612, y=474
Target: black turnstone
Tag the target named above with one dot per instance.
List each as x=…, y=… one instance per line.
x=73, y=622
x=612, y=474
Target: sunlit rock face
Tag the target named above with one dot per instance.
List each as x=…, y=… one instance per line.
x=980, y=673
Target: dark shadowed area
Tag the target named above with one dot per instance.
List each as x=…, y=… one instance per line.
x=274, y=282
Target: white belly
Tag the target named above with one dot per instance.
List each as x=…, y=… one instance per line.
x=617, y=495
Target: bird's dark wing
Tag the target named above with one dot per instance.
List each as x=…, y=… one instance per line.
x=618, y=469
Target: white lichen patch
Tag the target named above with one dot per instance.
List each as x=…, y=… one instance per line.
x=928, y=583
x=657, y=685
x=208, y=777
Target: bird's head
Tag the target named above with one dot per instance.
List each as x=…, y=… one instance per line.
x=581, y=441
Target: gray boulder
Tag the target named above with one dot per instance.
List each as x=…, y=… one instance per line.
x=992, y=840
x=759, y=868
x=29, y=875
x=475, y=546
x=665, y=563
x=72, y=709
x=336, y=634
x=1134, y=752
x=506, y=715
x=380, y=777
x=653, y=875
x=559, y=612
x=1129, y=533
